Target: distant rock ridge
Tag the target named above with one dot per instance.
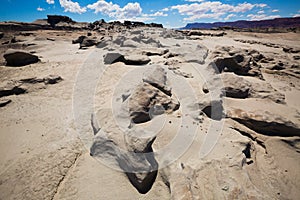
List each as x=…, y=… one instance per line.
x=271, y=23
x=59, y=22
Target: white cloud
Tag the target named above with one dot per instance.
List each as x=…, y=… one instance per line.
x=275, y=10
x=40, y=9
x=296, y=15
x=73, y=7
x=261, y=5
x=157, y=14
x=262, y=17
x=137, y=19
x=229, y=16
x=212, y=9
x=261, y=12
x=104, y=7
x=50, y=1
x=165, y=9
x=130, y=10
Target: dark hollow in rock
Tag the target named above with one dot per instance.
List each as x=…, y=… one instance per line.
x=235, y=64
x=19, y=58
x=214, y=110
x=247, y=151
x=236, y=93
x=270, y=128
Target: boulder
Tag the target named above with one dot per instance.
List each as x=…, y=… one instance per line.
x=240, y=61
x=136, y=60
x=88, y=42
x=235, y=86
x=17, y=58
x=158, y=78
x=114, y=57
x=79, y=39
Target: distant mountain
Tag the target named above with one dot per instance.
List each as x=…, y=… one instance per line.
x=272, y=23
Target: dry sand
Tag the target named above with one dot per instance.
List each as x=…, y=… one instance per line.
x=45, y=144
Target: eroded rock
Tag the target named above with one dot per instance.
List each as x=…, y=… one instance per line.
x=265, y=123
x=18, y=58
x=147, y=98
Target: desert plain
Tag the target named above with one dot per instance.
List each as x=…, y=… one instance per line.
x=145, y=112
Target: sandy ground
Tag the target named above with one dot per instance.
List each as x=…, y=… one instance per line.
x=43, y=156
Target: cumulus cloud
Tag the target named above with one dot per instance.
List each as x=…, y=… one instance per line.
x=212, y=9
x=254, y=17
x=275, y=10
x=40, y=9
x=296, y=15
x=130, y=10
x=73, y=7
x=165, y=9
x=50, y=1
x=229, y=17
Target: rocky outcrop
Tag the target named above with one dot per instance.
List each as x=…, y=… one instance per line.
x=147, y=100
x=239, y=87
x=241, y=62
x=114, y=57
x=152, y=97
x=265, y=123
x=55, y=19
x=19, y=58
x=88, y=42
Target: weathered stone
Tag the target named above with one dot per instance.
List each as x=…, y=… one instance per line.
x=111, y=58
x=146, y=99
x=18, y=58
x=136, y=60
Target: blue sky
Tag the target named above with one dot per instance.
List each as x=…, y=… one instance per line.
x=176, y=13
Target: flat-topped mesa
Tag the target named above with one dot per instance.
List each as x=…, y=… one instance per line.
x=55, y=19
